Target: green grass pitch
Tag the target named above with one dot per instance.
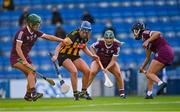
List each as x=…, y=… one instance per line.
x=102, y=104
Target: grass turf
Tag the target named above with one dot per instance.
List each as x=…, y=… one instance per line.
x=103, y=104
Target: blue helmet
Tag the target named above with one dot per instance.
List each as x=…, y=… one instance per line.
x=140, y=27
x=85, y=25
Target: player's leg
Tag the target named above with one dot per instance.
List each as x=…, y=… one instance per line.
x=82, y=66
x=155, y=67
x=150, y=89
x=68, y=64
x=93, y=71
x=31, y=77
x=115, y=70
x=25, y=71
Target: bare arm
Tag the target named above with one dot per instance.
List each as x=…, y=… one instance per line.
x=57, y=50
x=19, y=51
x=92, y=49
x=154, y=36
x=146, y=61
x=21, y=55
x=52, y=38
x=112, y=62
x=87, y=51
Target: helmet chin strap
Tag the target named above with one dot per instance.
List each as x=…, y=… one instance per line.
x=30, y=28
x=108, y=43
x=137, y=33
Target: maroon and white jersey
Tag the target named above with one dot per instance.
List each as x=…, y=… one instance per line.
x=105, y=52
x=27, y=38
x=153, y=46
x=162, y=50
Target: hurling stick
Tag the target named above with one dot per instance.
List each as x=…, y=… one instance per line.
x=107, y=82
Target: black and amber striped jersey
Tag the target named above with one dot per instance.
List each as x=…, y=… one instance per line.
x=78, y=43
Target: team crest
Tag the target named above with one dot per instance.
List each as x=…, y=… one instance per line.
x=28, y=37
x=35, y=36
x=102, y=49
x=156, y=55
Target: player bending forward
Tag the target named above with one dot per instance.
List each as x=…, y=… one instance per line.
x=23, y=42
x=68, y=56
x=107, y=50
x=154, y=42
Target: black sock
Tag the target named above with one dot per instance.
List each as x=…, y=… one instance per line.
x=84, y=90
x=33, y=91
x=75, y=92
x=28, y=94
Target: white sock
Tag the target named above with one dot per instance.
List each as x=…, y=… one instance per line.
x=159, y=83
x=121, y=91
x=149, y=93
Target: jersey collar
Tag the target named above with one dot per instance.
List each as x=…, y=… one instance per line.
x=29, y=30
x=106, y=45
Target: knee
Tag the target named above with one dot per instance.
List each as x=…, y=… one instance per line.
x=148, y=74
x=74, y=73
x=86, y=71
x=92, y=73
x=31, y=74
x=117, y=75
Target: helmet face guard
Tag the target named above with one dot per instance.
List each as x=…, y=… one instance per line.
x=85, y=29
x=137, y=29
x=109, y=34
x=109, y=37
x=137, y=34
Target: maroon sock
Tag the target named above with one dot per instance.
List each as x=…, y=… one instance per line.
x=121, y=91
x=28, y=94
x=84, y=90
x=33, y=91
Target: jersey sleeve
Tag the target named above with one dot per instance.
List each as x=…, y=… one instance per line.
x=39, y=33
x=146, y=34
x=20, y=37
x=72, y=35
x=96, y=44
x=150, y=34
x=116, y=51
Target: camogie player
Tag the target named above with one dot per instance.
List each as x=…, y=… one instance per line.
x=22, y=44
x=68, y=57
x=107, y=50
x=153, y=41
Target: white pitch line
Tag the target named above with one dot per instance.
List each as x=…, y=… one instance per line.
x=113, y=104
x=91, y=111
x=90, y=105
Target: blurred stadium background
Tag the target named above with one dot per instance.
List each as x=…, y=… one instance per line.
x=162, y=15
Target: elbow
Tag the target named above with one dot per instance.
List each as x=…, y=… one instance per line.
x=56, y=48
x=45, y=36
x=91, y=47
x=147, y=59
x=158, y=33
x=84, y=49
